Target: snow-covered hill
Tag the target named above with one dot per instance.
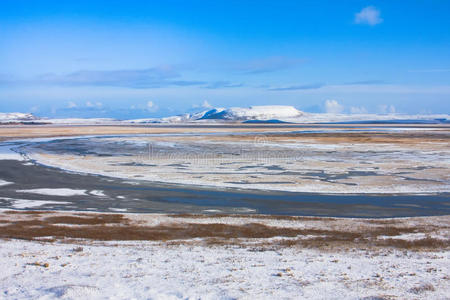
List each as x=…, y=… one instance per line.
x=237, y=114
x=27, y=118
x=254, y=113
x=17, y=117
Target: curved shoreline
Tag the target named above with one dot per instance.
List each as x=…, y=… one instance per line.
x=168, y=170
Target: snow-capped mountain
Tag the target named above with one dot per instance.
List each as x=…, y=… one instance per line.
x=236, y=114
x=268, y=112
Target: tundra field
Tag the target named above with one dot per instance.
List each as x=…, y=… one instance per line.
x=214, y=223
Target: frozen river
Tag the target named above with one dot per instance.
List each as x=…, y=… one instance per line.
x=31, y=186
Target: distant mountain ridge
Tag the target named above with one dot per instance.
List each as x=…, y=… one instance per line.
x=252, y=114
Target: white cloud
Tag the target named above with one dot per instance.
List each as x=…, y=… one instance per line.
x=386, y=109
x=71, y=104
x=152, y=107
x=333, y=107
x=206, y=104
x=96, y=104
x=358, y=110
x=368, y=15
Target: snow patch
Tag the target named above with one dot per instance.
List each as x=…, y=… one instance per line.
x=55, y=192
x=118, y=209
x=3, y=182
x=212, y=210
x=6, y=153
x=97, y=193
x=21, y=204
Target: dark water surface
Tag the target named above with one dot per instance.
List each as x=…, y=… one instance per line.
x=146, y=197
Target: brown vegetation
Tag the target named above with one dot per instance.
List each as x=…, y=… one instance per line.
x=31, y=131
x=262, y=217
x=426, y=287
x=115, y=227
x=89, y=220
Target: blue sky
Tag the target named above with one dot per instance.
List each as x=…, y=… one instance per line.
x=132, y=59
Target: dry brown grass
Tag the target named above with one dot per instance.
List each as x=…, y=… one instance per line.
x=88, y=220
x=426, y=287
x=344, y=243
x=26, y=212
x=30, y=131
x=425, y=243
x=116, y=227
x=409, y=138
x=261, y=217
x=35, y=229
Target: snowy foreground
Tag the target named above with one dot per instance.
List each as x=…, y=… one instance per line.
x=147, y=270
x=164, y=265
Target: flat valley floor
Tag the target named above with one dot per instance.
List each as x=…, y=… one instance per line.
x=225, y=211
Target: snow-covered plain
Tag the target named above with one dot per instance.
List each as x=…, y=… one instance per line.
x=34, y=270
x=239, y=268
